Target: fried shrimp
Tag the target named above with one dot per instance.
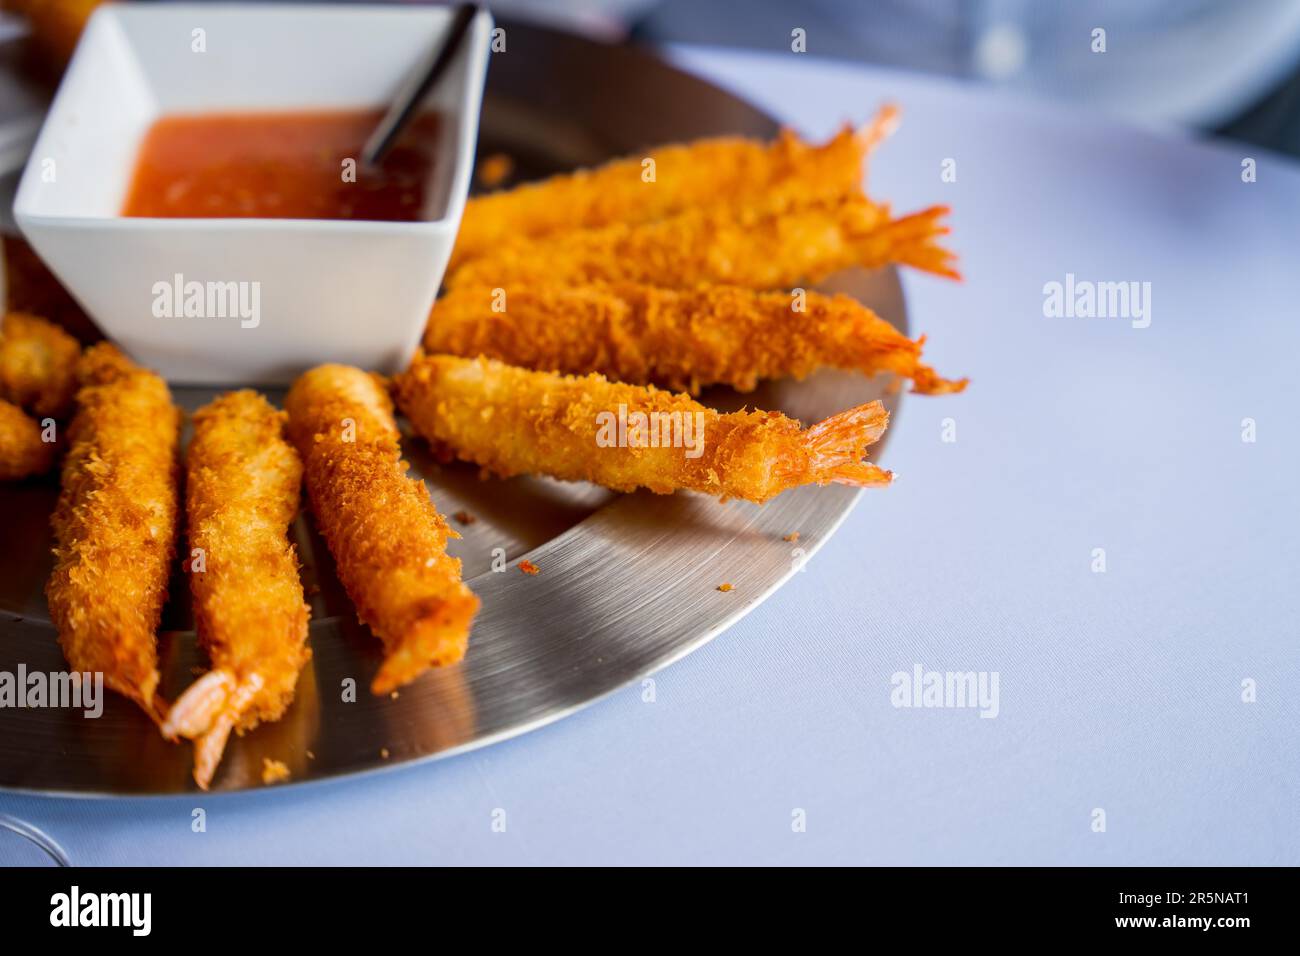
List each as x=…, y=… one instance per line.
x=388, y=540
x=22, y=451
x=38, y=365
x=730, y=172
x=681, y=339
x=513, y=421
x=242, y=491
x=755, y=250
x=115, y=524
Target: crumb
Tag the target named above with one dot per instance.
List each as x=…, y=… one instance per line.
x=393, y=696
x=273, y=771
x=383, y=752
x=495, y=169
x=310, y=755
x=724, y=587
x=464, y=517
x=792, y=536
x=528, y=567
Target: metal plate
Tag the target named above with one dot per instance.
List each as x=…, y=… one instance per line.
x=628, y=583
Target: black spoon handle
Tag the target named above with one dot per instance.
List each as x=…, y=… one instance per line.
x=417, y=87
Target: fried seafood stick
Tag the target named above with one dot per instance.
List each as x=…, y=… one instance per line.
x=115, y=524
x=512, y=421
x=38, y=365
x=388, y=540
x=755, y=250
x=681, y=339
x=22, y=452
x=241, y=494
x=728, y=171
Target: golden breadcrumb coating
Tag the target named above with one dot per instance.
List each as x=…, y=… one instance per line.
x=680, y=339
x=727, y=171
x=22, y=452
x=388, y=540
x=115, y=524
x=708, y=246
x=38, y=365
x=242, y=489
x=274, y=771
x=513, y=421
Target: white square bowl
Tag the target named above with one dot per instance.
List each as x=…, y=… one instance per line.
x=328, y=290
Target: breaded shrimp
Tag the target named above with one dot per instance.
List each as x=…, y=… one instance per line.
x=512, y=421
x=22, y=451
x=242, y=491
x=755, y=250
x=681, y=339
x=388, y=540
x=729, y=171
x=38, y=365
x=115, y=524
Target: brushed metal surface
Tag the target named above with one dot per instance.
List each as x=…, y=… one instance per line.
x=628, y=583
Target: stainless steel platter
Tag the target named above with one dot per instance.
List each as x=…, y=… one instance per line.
x=628, y=583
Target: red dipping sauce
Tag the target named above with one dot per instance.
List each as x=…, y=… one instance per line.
x=281, y=165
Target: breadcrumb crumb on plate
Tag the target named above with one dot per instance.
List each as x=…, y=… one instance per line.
x=495, y=170
x=274, y=771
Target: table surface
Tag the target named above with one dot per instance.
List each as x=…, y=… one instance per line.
x=1119, y=691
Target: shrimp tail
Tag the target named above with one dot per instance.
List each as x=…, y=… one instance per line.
x=196, y=709
x=926, y=381
x=879, y=128
x=437, y=638
x=209, y=747
x=206, y=713
x=835, y=447
x=911, y=240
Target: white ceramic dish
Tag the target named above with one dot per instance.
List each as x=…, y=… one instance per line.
x=314, y=290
